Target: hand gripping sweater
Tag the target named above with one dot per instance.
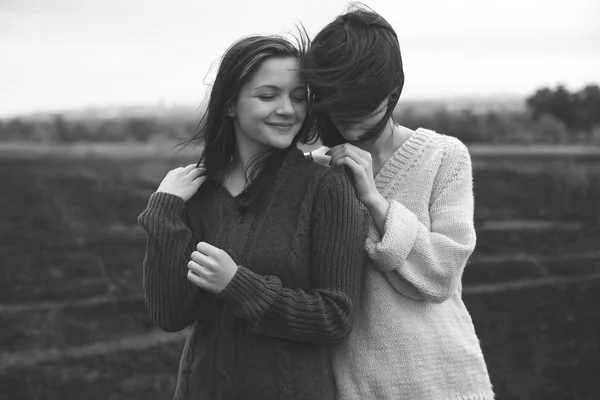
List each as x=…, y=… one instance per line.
x=270, y=333
x=413, y=338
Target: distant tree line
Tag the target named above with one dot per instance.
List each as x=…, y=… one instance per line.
x=551, y=116
x=57, y=128
x=578, y=111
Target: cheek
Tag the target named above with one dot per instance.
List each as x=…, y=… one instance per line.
x=300, y=110
x=252, y=113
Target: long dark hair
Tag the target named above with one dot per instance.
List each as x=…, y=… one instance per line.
x=215, y=128
x=353, y=65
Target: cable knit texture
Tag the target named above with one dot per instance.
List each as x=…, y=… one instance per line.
x=413, y=338
x=270, y=333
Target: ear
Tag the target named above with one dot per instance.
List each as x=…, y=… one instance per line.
x=230, y=110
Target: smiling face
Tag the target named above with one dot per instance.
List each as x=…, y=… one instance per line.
x=271, y=107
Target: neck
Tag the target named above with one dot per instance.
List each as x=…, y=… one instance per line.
x=246, y=151
x=384, y=147
x=241, y=159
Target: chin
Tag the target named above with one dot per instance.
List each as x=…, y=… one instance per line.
x=281, y=144
x=349, y=137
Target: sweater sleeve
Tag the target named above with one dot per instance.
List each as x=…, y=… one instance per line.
x=323, y=314
x=427, y=263
x=171, y=299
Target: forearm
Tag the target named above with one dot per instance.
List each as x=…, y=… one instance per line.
x=172, y=301
x=318, y=316
x=421, y=263
x=378, y=208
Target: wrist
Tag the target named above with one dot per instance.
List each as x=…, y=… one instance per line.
x=373, y=200
x=172, y=193
x=378, y=208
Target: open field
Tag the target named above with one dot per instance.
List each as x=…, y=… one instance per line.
x=24, y=150
x=74, y=324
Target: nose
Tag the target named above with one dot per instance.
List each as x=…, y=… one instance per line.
x=285, y=106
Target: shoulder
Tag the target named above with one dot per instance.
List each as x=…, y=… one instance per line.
x=303, y=164
x=320, y=177
x=308, y=179
x=333, y=191
x=447, y=160
x=322, y=187
x=453, y=161
x=334, y=178
x=448, y=147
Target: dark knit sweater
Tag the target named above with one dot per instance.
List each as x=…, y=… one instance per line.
x=269, y=334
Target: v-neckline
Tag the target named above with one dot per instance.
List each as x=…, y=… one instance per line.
x=397, y=162
x=225, y=191
x=230, y=197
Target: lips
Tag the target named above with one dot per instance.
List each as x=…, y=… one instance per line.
x=281, y=124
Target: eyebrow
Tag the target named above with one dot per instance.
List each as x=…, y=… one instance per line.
x=276, y=87
x=267, y=87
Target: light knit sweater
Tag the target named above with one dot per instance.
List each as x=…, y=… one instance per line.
x=413, y=338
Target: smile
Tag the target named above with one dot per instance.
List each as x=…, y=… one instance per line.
x=280, y=125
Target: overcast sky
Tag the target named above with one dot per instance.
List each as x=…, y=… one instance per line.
x=64, y=54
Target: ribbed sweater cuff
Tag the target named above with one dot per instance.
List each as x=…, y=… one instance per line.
x=166, y=204
x=250, y=292
x=401, y=228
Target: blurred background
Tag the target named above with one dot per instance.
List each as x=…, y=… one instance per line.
x=94, y=95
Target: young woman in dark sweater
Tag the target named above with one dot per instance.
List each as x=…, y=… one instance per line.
x=256, y=249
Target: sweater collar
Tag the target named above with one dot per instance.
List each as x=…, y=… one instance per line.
x=397, y=165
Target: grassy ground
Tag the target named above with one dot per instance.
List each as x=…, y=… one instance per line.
x=69, y=235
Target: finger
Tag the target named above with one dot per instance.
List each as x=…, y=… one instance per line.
x=356, y=153
x=335, y=150
x=201, y=259
x=195, y=173
x=196, y=280
x=354, y=167
x=195, y=268
x=358, y=157
x=339, y=152
x=337, y=155
x=201, y=270
x=189, y=168
x=207, y=249
x=340, y=147
x=365, y=162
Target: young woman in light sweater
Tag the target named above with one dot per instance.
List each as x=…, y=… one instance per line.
x=413, y=337
x=259, y=250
